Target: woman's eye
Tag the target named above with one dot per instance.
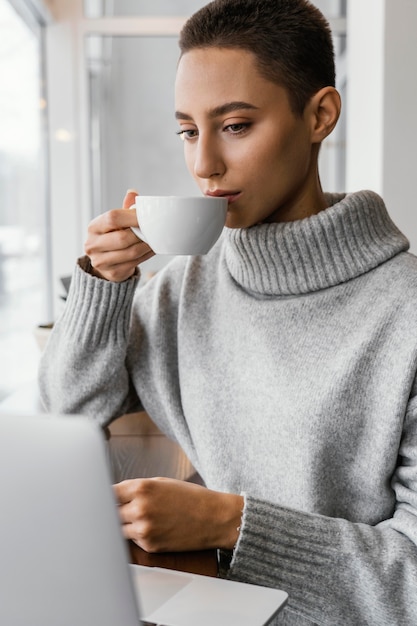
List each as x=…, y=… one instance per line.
x=187, y=134
x=236, y=129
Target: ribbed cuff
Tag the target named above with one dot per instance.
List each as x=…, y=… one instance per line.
x=96, y=307
x=282, y=548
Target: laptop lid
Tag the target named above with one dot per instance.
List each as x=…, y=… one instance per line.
x=63, y=560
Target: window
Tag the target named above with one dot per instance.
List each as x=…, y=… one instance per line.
x=133, y=128
x=112, y=8
x=132, y=141
x=23, y=241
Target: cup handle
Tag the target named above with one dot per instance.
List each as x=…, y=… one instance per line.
x=135, y=229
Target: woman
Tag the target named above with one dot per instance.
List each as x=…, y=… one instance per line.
x=284, y=361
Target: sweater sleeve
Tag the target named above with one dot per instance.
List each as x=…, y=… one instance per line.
x=82, y=370
x=336, y=571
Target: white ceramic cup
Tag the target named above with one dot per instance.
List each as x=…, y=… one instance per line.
x=177, y=225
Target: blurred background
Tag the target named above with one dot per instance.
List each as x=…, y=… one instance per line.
x=86, y=112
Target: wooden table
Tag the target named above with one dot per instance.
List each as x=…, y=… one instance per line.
x=136, y=449
x=200, y=562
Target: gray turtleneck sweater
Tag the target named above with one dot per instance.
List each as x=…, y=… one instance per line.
x=284, y=363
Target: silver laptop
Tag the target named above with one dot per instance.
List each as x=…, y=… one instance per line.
x=63, y=559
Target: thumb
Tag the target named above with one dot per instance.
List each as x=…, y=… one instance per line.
x=129, y=198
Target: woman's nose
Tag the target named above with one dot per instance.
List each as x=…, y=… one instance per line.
x=208, y=159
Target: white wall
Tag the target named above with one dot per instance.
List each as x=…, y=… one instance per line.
x=382, y=104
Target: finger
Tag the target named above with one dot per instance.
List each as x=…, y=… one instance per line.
x=128, y=531
x=116, y=263
x=127, y=490
x=112, y=241
x=113, y=260
x=126, y=513
x=116, y=219
x=129, y=198
x=132, y=532
x=146, y=537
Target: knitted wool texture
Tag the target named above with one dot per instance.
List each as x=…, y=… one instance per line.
x=284, y=364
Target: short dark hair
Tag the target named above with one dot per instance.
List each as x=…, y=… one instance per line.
x=291, y=40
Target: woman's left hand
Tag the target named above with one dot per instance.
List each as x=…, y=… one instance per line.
x=166, y=515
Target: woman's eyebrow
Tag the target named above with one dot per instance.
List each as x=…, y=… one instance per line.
x=222, y=109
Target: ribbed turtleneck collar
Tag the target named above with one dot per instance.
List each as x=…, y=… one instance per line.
x=354, y=235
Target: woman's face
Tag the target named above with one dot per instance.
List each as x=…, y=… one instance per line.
x=242, y=140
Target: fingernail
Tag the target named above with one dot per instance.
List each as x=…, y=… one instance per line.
x=132, y=191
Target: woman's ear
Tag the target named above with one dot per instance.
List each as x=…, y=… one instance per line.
x=324, y=109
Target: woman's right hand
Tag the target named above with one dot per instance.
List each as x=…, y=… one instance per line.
x=113, y=248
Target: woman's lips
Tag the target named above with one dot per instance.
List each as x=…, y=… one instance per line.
x=231, y=196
